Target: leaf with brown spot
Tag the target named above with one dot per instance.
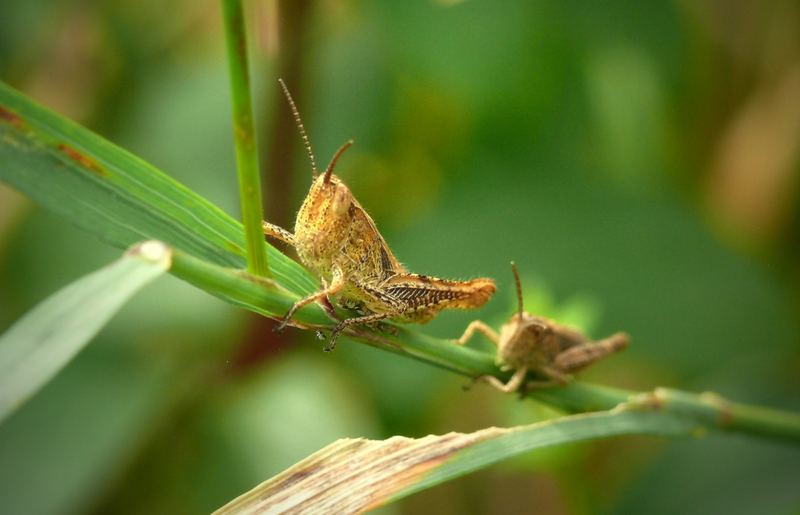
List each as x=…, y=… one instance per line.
x=356, y=475
x=134, y=201
x=83, y=160
x=11, y=117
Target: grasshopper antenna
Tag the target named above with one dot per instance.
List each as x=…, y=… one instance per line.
x=519, y=287
x=301, y=129
x=332, y=164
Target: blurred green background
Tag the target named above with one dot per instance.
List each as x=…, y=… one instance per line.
x=639, y=161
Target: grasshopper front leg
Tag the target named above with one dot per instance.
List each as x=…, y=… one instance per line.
x=335, y=287
x=512, y=385
x=481, y=327
x=278, y=233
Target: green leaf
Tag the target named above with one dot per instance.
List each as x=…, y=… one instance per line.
x=43, y=341
x=114, y=194
x=355, y=475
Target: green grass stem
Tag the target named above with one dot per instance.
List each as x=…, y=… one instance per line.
x=244, y=137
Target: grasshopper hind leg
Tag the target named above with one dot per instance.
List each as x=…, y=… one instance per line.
x=383, y=327
x=581, y=356
x=344, y=324
x=481, y=327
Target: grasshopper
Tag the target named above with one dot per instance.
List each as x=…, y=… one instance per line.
x=338, y=241
x=531, y=343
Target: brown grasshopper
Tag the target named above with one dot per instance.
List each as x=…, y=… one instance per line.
x=338, y=241
x=531, y=343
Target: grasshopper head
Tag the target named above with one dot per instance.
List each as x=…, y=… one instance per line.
x=324, y=218
x=521, y=336
x=526, y=340
x=330, y=197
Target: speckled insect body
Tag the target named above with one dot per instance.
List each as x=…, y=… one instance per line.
x=529, y=343
x=339, y=242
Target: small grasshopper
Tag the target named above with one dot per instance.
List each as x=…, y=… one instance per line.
x=338, y=241
x=532, y=343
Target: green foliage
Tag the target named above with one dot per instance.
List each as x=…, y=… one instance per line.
x=106, y=289
x=581, y=141
x=42, y=342
x=114, y=194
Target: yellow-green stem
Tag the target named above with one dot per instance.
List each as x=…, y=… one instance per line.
x=244, y=137
x=702, y=412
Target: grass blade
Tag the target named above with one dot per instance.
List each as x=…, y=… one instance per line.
x=113, y=194
x=46, y=338
x=355, y=475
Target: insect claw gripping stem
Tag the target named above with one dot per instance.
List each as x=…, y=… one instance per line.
x=282, y=325
x=331, y=343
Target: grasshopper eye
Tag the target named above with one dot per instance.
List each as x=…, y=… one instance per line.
x=537, y=330
x=342, y=200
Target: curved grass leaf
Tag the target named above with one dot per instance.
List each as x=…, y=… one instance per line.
x=356, y=475
x=114, y=194
x=46, y=338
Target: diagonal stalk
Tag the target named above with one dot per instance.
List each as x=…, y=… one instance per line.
x=705, y=411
